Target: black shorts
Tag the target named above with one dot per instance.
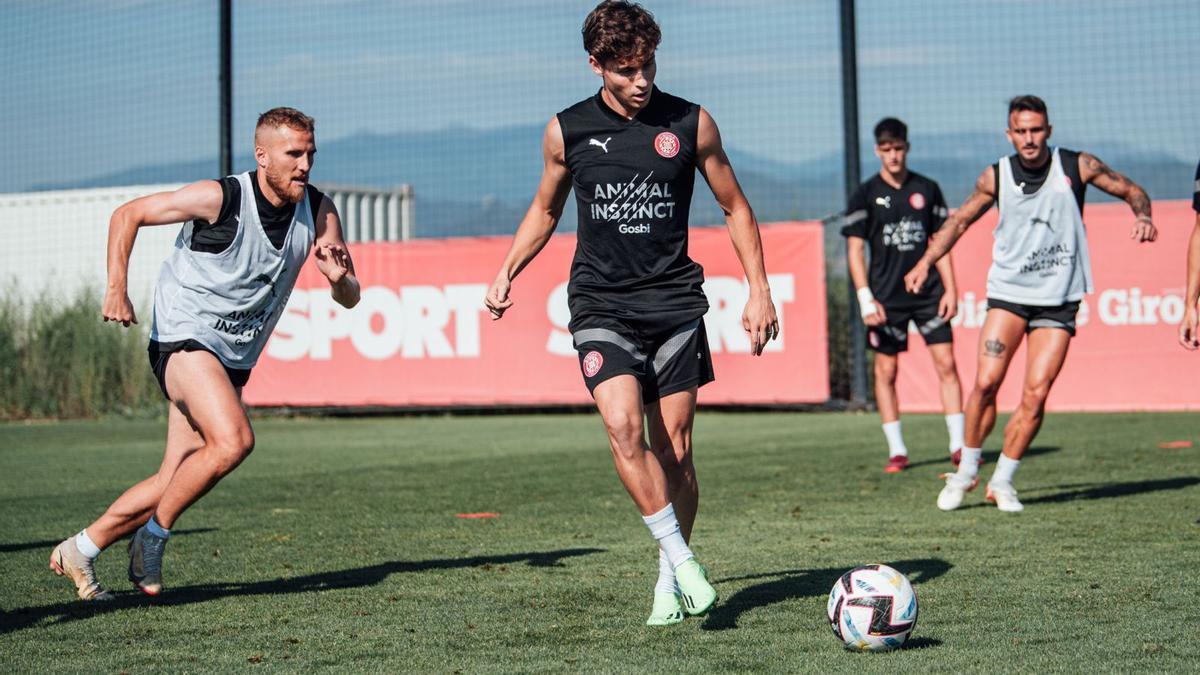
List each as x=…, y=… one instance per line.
x=160, y=353
x=1059, y=316
x=664, y=361
x=892, y=337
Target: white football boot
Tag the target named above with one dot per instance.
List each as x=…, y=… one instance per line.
x=66, y=560
x=957, y=487
x=1005, y=497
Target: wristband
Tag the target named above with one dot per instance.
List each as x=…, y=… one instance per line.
x=1144, y=219
x=866, y=302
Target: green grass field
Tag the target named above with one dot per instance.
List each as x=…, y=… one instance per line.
x=336, y=546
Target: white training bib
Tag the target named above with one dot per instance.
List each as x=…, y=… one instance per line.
x=230, y=301
x=1040, y=255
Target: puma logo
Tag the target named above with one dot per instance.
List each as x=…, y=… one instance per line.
x=885, y=202
x=603, y=146
x=269, y=281
x=1041, y=221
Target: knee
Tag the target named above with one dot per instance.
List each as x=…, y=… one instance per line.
x=986, y=388
x=946, y=369
x=230, y=448
x=1033, y=398
x=675, y=455
x=885, y=370
x=625, y=433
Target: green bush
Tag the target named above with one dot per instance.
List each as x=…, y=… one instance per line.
x=837, y=305
x=59, y=359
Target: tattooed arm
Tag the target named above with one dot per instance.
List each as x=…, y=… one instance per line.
x=955, y=226
x=1189, y=328
x=1096, y=172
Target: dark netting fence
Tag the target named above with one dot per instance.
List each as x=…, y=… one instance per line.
x=107, y=93
x=450, y=97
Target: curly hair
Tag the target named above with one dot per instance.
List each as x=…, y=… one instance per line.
x=621, y=30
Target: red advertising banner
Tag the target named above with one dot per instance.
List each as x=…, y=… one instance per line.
x=422, y=337
x=1125, y=355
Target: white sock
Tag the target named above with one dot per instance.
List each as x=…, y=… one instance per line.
x=1005, y=468
x=954, y=425
x=968, y=467
x=86, y=546
x=157, y=530
x=894, y=440
x=665, y=528
x=666, y=575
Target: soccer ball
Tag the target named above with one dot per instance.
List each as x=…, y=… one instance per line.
x=872, y=608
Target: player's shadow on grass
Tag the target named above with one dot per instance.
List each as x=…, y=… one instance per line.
x=359, y=577
x=921, y=643
x=49, y=544
x=791, y=584
x=1076, y=491
x=989, y=457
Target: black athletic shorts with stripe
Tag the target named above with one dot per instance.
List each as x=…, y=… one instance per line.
x=665, y=361
x=1057, y=316
x=160, y=353
x=892, y=337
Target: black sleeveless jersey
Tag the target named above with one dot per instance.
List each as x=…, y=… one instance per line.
x=1031, y=180
x=1196, y=194
x=633, y=184
x=897, y=224
x=216, y=236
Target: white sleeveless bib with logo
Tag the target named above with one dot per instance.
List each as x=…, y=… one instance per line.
x=1040, y=255
x=230, y=301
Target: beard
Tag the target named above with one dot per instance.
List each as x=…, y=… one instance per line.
x=284, y=187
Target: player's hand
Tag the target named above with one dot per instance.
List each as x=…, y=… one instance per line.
x=948, y=307
x=1143, y=230
x=1187, y=330
x=117, y=307
x=915, y=279
x=497, y=297
x=876, y=318
x=759, y=322
x=333, y=260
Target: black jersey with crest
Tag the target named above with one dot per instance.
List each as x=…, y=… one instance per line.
x=633, y=181
x=1196, y=194
x=896, y=224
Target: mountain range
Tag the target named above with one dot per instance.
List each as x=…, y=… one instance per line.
x=471, y=181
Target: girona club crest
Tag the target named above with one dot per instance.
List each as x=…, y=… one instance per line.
x=592, y=363
x=667, y=144
x=917, y=200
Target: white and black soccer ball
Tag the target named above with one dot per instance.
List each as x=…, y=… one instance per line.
x=872, y=608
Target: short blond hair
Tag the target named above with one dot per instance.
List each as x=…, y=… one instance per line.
x=285, y=117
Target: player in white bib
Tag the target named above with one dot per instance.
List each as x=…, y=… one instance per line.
x=1040, y=271
x=218, y=297
x=1189, y=328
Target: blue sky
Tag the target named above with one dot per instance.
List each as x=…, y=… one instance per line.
x=93, y=87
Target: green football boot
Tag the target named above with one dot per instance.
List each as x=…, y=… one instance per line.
x=697, y=594
x=667, y=610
